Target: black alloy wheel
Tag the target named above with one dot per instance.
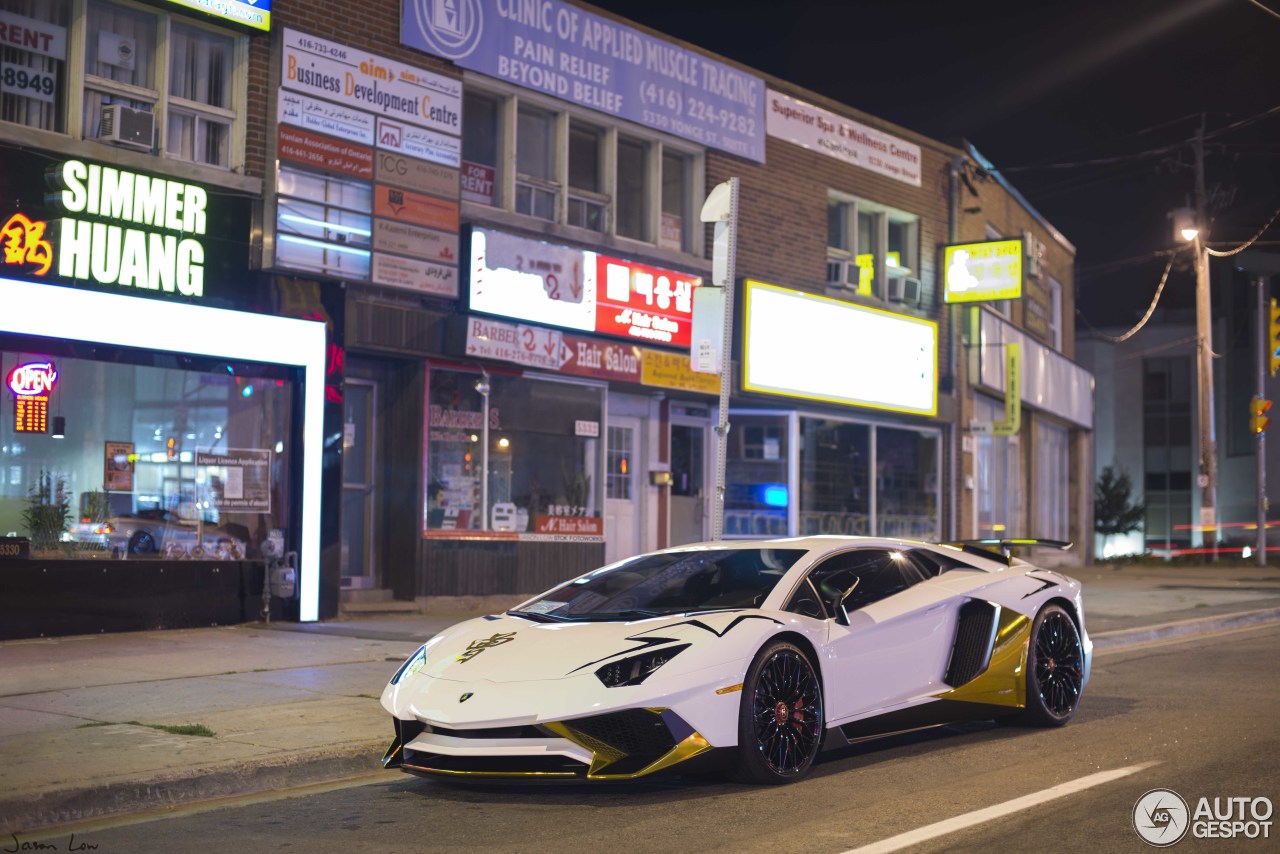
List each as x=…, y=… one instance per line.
x=142, y=543
x=781, y=722
x=1055, y=668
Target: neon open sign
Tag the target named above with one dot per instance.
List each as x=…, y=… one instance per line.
x=33, y=379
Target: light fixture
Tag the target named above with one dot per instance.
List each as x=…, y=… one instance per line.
x=59, y=427
x=1184, y=224
x=504, y=443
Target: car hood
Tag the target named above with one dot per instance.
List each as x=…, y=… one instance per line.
x=512, y=649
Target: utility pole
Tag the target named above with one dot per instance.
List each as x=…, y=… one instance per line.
x=1264, y=360
x=1204, y=360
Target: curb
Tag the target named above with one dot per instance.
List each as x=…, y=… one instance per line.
x=29, y=814
x=1164, y=631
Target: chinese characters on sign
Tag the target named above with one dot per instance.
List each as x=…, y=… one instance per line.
x=23, y=243
x=561, y=286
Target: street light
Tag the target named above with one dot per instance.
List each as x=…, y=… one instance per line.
x=1184, y=224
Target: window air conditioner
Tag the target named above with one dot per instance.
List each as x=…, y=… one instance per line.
x=904, y=289
x=126, y=126
x=842, y=274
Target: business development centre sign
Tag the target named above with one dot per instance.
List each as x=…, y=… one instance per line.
x=565, y=51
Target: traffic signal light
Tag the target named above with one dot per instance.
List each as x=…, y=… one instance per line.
x=1273, y=337
x=1258, y=409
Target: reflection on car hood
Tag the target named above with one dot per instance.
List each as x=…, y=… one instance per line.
x=512, y=649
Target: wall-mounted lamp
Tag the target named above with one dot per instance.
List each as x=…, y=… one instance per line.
x=660, y=478
x=59, y=426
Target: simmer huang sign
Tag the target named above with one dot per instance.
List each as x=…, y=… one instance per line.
x=130, y=230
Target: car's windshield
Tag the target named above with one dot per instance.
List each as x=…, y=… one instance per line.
x=668, y=583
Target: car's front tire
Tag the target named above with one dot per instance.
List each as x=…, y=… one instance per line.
x=780, y=722
x=1055, y=669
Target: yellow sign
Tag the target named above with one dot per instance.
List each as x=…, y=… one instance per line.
x=974, y=272
x=1012, y=422
x=867, y=269
x=672, y=370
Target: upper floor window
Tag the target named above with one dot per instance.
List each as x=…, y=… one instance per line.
x=539, y=158
x=872, y=249
x=176, y=84
x=1055, y=313
x=1003, y=306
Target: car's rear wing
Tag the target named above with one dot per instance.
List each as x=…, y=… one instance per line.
x=1004, y=548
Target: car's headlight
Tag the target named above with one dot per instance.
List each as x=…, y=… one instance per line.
x=412, y=666
x=637, y=668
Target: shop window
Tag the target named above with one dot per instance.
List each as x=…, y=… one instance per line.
x=757, y=494
x=1055, y=313
x=676, y=221
x=155, y=461
x=537, y=192
x=535, y=475
x=129, y=52
x=835, y=477
x=610, y=182
x=907, y=500
x=998, y=466
x=633, y=189
x=587, y=202
x=481, y=142
x=1052, y=477
x=33, y=72
x=200, y=87
x=319, y=224
x=868, y=244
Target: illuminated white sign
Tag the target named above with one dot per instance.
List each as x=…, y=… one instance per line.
x=132, y=257
x=577, y=289
x=802, y=345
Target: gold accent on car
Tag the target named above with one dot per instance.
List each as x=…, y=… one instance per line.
x=604, y=755
x=730, y=689
x=1003, y=682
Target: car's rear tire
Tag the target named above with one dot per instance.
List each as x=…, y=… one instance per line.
x=780, y=720
x=142, y=543
x=1055, y=670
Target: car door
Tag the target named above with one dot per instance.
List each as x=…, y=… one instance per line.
x=900, y=630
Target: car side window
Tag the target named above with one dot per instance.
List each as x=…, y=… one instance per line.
x=805, y=601
x=864, y=576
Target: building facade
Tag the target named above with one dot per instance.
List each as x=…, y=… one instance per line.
x=486, y=226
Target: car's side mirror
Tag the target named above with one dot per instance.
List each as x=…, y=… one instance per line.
x=836, y=597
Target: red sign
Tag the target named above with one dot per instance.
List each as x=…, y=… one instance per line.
x=408, y=206
x=33, y=379
x=23, y=243
x=320, y=151
x=477, y=182
x=638, y=301
x=587, y=357
x=583, y=525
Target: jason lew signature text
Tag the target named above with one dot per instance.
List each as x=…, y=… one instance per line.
x=72, y=844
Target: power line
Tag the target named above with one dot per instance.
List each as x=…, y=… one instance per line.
x=1247, y=243
x=1270, y=12
x=1155, y=300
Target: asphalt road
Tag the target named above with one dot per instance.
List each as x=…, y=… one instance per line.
x=1197, y=716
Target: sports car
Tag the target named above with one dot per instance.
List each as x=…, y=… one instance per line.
x=742, y=656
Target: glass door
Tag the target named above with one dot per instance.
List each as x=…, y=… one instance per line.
x=359, y=467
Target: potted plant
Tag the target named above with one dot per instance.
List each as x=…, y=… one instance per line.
x=45, y=515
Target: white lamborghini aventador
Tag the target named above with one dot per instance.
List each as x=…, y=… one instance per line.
x=750, y=656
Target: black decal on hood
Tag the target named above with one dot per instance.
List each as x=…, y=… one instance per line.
x=644, y=643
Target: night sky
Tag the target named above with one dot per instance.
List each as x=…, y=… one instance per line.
x=1033, y=84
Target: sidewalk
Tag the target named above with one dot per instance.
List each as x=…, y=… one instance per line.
x=290, y=704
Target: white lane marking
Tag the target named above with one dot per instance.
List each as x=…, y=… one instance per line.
x=969, y=819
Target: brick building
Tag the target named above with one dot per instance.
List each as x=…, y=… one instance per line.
x=492, y=212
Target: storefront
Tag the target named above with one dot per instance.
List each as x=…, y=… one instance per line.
x=550, y=430
x=161, y=434
x=862, y=455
